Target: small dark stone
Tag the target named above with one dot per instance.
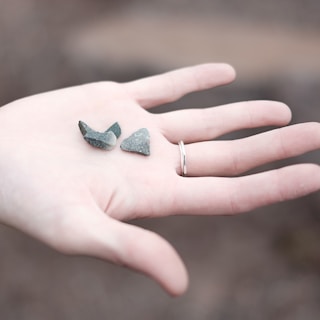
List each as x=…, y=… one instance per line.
x=103, y=140
x=115, y=128
x=138, y=142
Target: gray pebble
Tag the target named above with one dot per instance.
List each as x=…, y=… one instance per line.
x=102, y=140
x=138, y=142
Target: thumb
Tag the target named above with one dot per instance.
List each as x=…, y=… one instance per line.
x=131, y=246
x=149, y=253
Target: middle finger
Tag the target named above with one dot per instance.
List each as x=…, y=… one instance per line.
x=192, y=125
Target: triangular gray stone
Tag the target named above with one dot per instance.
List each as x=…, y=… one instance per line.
x=138, y=142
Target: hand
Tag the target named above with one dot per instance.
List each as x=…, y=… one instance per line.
x=57, y=188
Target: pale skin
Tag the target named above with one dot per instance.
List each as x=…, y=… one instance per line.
x=75, y=198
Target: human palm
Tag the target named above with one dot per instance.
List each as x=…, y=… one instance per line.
x=59, y=189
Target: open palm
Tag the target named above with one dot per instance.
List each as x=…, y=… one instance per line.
x=59, y=189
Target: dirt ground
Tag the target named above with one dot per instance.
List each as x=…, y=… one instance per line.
x=260, y=265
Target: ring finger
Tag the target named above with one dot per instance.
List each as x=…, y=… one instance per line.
x=228, y=158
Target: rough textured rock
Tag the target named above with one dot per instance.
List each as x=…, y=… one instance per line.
x=138, y=142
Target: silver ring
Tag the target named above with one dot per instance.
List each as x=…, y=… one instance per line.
x=183, y=159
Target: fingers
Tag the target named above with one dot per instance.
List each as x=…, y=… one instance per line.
x=228, y=158
x=127, y=245
x=205, y=124
x=234, y=195
x=170, y=86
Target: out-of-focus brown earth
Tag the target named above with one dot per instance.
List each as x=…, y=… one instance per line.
x=260, y=265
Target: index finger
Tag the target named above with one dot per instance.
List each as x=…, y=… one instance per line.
x=170, y=86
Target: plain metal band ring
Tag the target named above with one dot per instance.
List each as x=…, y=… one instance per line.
x=183, y=159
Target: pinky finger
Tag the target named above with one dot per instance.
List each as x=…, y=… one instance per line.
x=213, y=196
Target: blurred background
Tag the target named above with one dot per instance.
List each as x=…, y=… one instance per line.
x=260, y=265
